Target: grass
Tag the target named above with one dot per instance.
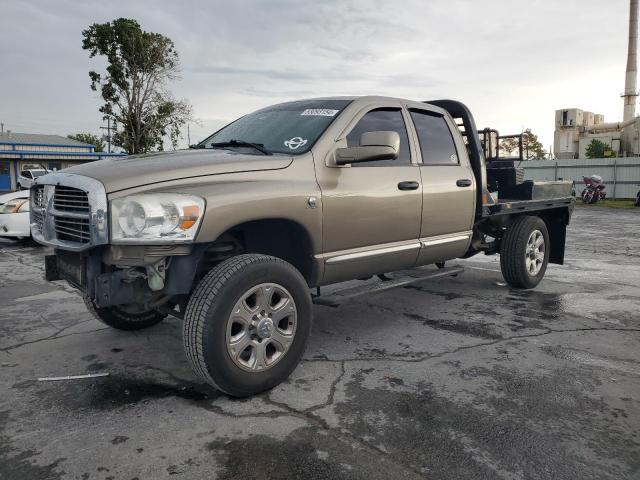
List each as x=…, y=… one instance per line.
x=608, y=203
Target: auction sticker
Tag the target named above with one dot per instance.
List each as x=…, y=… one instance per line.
x=320, y=112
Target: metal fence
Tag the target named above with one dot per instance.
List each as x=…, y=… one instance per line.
x=620, y=175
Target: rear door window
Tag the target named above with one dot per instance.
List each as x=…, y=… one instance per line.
x=436, y=142
x=378, y=120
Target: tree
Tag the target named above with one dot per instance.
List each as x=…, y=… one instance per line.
x=139, y=65
x=598, y=149
x=532, y=146
x=90, y=138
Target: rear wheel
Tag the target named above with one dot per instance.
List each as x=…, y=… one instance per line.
x=125, y=317
x=524, y=252
x=247, y=323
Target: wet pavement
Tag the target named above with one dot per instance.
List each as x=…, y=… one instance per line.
x=454, y=378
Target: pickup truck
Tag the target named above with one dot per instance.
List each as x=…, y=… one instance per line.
x=235, y=234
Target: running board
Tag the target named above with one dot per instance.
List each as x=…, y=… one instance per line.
x=337, y=297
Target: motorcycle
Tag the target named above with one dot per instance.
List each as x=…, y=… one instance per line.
x=595, y=189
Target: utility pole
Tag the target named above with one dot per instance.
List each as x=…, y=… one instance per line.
x=1, y=128
x=108, y=128
x=188, y=136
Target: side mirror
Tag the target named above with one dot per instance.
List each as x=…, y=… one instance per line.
x=373, y=146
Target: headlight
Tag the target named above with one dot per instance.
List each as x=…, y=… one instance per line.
x=156, y=218
x=18, y=205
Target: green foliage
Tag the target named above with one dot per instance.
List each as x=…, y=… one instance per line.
x=598, y=149
x=532, y=146
x=90, y=138
x=139, y=64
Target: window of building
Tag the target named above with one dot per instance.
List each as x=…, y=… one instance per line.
x=436, y=143
x=382, y=120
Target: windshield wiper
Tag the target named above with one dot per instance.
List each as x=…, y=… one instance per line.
x=241, y=143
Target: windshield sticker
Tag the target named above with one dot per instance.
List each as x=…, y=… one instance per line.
x=320, y=112
x=295, y=143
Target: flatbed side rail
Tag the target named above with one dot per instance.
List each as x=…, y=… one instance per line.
x=510, y=207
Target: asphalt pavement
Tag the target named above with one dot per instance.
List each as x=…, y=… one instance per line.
x=455, y=378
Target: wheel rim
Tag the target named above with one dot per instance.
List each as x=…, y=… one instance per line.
x=534, y=254
x=261, y=327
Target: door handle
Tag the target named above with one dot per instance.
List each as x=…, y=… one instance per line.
x=408, y=185
x=464, y=182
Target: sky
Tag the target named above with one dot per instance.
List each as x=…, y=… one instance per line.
x=513, y=62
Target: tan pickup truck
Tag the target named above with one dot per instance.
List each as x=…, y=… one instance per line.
x=237, y=234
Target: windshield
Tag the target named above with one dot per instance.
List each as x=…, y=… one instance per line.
x=290, y=128
x=38, y=173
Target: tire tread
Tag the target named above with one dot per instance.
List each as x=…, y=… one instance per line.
x=511, y=250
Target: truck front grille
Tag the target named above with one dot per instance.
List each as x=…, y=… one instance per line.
x=38, y=196
x=69, y=212
x=69, y=199
x=38, y=218
x=73, y=229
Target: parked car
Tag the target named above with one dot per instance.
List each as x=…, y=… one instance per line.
x=14, y=215
x=27, y=177
x=232, y=234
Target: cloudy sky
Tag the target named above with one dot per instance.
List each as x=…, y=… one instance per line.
x=514, y=62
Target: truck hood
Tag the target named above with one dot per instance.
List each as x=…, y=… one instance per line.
x=135, y=171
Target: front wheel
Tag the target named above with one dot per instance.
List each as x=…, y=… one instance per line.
x=524, y=252
x=247, y=323
x=125, y=317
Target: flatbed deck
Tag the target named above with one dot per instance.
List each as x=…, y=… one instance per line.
x=507, y=206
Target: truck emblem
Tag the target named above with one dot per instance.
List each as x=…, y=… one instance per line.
x=312, y=202
x=295, y=143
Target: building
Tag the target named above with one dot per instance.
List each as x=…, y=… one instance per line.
x=19, y=151
x=576, y=129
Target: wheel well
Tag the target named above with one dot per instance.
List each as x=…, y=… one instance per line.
x=555, y=219
x=280, y=238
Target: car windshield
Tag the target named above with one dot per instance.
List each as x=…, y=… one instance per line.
x=291, y=128
x=38, y=173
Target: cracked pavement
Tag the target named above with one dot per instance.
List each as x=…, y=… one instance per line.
x=447, y=379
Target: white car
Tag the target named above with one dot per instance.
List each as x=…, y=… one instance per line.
x=28, y=176
x=14, y=215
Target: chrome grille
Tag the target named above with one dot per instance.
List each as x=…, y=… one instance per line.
x=73, y=229
x=69, y=212
x=38, y=218
x=38, y=196
x=69, y=199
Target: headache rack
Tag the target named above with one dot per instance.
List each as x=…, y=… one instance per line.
x=502, y=188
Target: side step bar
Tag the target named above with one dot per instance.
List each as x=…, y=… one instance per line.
x=337, y=297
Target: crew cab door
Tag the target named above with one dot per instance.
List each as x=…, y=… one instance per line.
x=372, y=210
x=448, y=186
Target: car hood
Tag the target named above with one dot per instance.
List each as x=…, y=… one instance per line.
x=135, y=171
x=10, y=196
